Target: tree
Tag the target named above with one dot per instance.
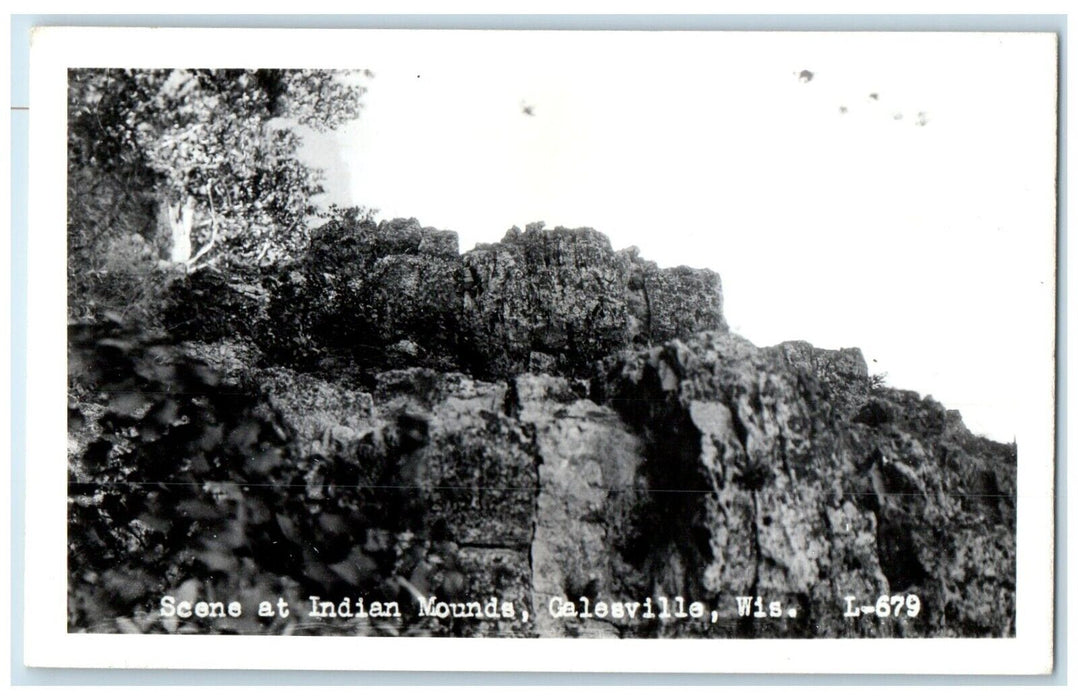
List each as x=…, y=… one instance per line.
x=217, y=150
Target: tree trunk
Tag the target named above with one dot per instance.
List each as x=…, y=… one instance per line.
x=181, y=219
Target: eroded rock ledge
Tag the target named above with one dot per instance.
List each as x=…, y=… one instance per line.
x=546, y=417
x=395, y=295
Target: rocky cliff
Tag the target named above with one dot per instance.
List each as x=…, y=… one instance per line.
x=543, y=420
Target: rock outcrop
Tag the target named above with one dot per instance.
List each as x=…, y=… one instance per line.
x=786, y=494
x=560, y=300
x=546, y=419
x=398, y=295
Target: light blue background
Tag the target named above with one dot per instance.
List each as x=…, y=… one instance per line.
x=20, y=115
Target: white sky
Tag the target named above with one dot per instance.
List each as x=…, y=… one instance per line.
x=928, y=246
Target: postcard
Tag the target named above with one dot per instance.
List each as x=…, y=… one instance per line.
x=692, y=351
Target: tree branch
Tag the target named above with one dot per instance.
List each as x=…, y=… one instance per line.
x=213, y=229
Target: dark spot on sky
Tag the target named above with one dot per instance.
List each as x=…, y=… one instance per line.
x=805, y=76
x=922, y=119
x=842, y=109
x=528, y=110
x=873, y=95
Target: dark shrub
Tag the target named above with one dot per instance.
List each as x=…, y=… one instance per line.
x=208, y=305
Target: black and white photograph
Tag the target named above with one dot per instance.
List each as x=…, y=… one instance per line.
x=552, y=335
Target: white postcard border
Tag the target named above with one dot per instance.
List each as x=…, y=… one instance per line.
x=47, y=642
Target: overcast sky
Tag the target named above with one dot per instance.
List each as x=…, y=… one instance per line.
x=884, y=191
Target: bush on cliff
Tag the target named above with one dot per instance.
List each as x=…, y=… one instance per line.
x=189, y=486
x=209, y=306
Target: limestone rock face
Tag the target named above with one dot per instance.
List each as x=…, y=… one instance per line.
x=453, y=485
x=566, y=295
x=843, y=374
x=784, y=496
x=382, y=294
x=386, y=290
x=395, y=295
x=587, y=463
x=561, y=293
x=708, y=469
x=545, y=420
x=673, y=302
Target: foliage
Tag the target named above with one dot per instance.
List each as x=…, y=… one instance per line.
x=877, y=381
x=291, y=335
x=301, y=324
x=112, y=263
x=189, y=486
x=209, y=306
x=161, y=487
x=383, y=294
x=223, y=142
